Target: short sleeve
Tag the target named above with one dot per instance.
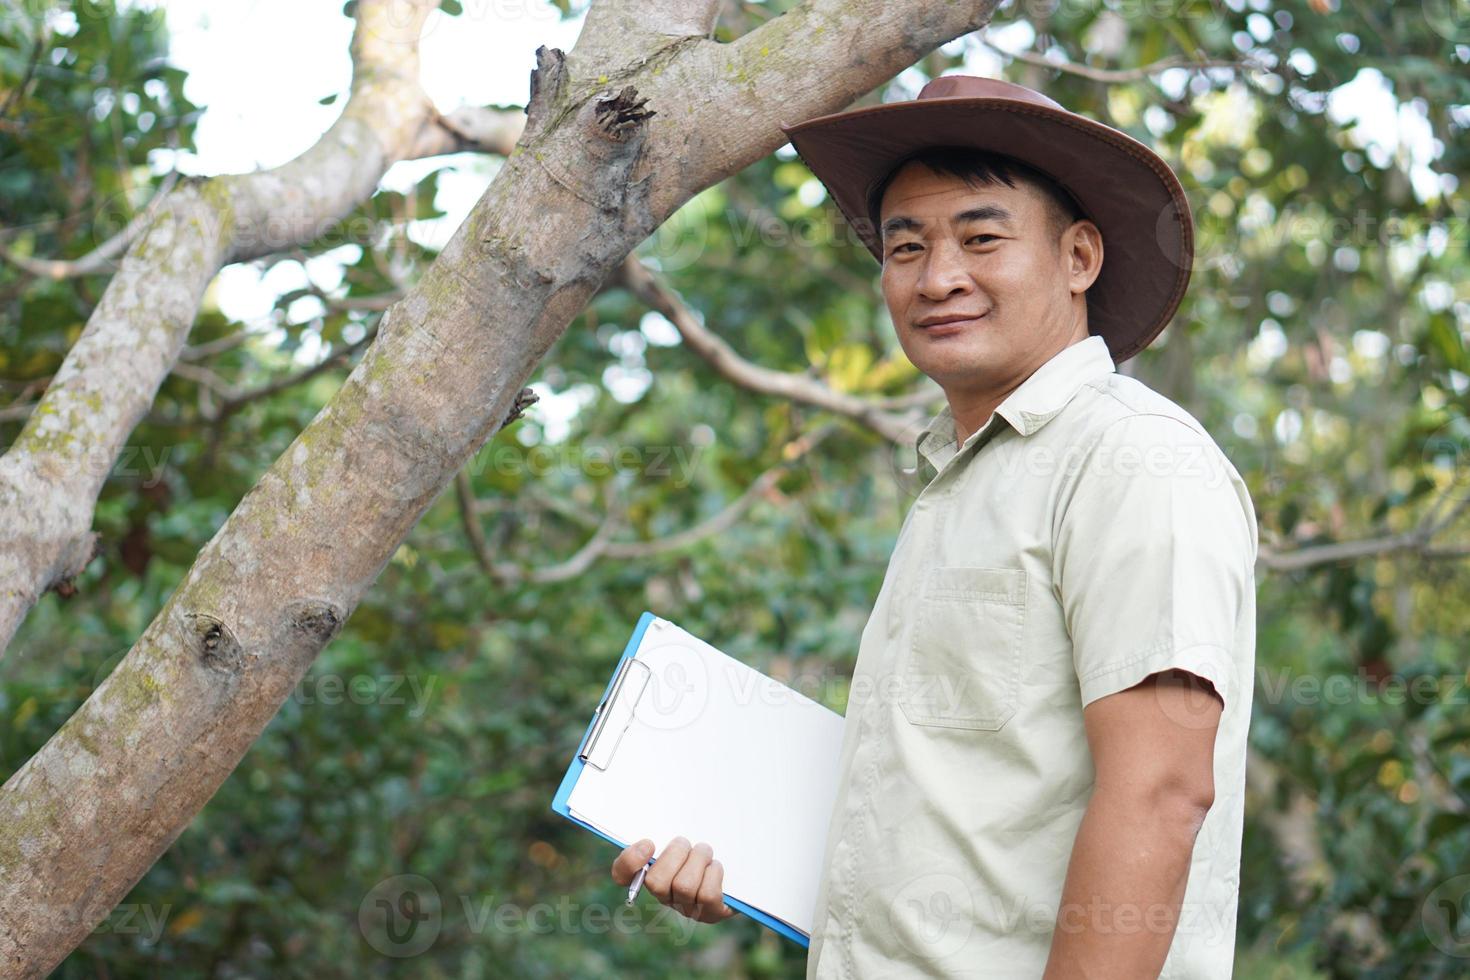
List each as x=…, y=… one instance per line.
x=1153, y=560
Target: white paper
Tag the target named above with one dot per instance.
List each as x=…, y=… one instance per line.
x=718, y=752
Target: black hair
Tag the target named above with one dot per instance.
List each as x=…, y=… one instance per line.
x=979, y=168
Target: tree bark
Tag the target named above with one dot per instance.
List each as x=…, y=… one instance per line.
x=620, y=133
x=50, y=477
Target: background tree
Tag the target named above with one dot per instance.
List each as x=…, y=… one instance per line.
x=1322, y=343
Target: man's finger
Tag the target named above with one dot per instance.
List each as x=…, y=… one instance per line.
x=712, y=894
x=633, y=857
x=686, y=882
x=661, y=876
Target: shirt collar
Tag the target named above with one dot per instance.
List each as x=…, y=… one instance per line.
x=1035, y=402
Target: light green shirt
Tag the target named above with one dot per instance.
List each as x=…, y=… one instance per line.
x=1090, y=534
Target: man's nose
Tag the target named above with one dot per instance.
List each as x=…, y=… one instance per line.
x=945, y=273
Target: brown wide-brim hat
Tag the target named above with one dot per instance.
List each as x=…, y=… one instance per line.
x=1121, y=185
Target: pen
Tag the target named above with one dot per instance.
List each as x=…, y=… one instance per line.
x=637, y=882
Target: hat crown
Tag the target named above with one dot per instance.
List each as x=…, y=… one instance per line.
x=975, y=87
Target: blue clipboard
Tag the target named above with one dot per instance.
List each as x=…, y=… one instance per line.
x=574, y=772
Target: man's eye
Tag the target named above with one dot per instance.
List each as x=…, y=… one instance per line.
x=991, y=237
x=900, y=247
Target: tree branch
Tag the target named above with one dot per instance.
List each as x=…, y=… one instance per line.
x=213, y=348
x=1115, y=76
x=624, y=33
x=656, y=294
x=465, y=129
x=1419, y=540
x=235, y=399
x=97, y=259
x=601, y=544
x=470, y=129
x=15, y=95
x=50, y=477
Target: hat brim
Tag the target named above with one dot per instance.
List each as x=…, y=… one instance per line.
x=1123, y=187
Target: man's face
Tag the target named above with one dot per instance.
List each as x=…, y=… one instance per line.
x=992, y=255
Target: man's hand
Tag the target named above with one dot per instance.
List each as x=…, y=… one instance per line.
x=687, y=879
x=1153, y=748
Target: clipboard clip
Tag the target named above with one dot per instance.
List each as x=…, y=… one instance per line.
x=614, y=714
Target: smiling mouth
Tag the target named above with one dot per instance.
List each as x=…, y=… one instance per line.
x=949, y=326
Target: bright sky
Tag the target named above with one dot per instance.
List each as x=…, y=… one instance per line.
x=261, y=81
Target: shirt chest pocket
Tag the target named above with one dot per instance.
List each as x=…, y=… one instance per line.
x=962, y=665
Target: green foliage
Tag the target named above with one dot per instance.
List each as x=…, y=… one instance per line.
x=1322, y=342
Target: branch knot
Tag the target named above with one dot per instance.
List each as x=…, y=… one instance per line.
x=620, y=115
x=524, y=399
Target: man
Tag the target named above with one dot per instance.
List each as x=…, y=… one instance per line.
x=1048, y=778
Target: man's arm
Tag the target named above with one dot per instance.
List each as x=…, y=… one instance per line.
x=1153, y=750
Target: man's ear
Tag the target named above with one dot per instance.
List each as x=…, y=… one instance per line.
x=1082, y=248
